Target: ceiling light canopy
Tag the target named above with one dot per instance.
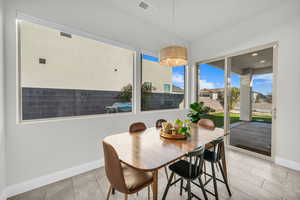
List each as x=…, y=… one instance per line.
x=173, y=55
x=255, y=54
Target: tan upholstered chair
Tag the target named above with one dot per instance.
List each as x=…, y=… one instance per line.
x=206, y=123
x=121, y=177
x=137, y=127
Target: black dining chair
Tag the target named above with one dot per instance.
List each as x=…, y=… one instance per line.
x=188, y=170
x=214, y=155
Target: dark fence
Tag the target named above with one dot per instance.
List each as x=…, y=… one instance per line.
x=159, y=101
x=39, y=103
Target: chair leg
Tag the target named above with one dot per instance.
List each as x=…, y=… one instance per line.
x=204, y=165
x=166, y=172
x=148, y=192
x=168, y=186
x=113, y=191
x=181, y=186
x=214, y=180
x=224, y=178
x=109, y=191
x=126, y=196
x=189, y=189
x=203, y=189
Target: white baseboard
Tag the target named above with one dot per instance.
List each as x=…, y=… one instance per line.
x=51, y=178
x=287, y=163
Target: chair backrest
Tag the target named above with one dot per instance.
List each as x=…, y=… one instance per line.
x=159, y=122
x=196, y=161
x=113, y=168
x=137, y=127
x=218, y=148
x=206, y=123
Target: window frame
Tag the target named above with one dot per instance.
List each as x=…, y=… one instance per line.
x=186, y=86
x=61, y=28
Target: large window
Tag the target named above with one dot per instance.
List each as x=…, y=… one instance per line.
x=62, y=74
x=162, y=87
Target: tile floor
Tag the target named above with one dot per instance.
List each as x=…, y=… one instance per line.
x=249, y=177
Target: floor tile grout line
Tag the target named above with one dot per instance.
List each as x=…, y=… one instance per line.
x=73, y=186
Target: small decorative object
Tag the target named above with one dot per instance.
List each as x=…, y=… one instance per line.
x=178, y=130
x=197, y=110
x=167, y=127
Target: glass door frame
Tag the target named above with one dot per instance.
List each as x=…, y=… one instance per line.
x=227, y=89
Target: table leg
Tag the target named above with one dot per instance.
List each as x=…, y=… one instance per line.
x=155, y=185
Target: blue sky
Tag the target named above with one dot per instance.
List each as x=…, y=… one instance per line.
x=212, y=77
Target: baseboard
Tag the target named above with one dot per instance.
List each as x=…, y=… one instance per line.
x=287, y=163
x=51, y=178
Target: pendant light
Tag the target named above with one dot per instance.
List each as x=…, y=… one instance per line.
x=173, y=55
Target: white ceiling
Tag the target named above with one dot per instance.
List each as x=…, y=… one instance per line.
x=196, y=18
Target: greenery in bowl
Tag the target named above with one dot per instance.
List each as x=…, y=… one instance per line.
x=183, y=127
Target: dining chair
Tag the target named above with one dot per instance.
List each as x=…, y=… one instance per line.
x=137, y=127
x=206, y=123
x=159, y=122
x=124, y=178
x=188, y=170
x=214, y=156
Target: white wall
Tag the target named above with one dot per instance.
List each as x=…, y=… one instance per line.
x=2, y=130
x=72, y=63
x=38, y=149
x=283, y=25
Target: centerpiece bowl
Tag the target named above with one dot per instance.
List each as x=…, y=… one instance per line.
x=179, y=130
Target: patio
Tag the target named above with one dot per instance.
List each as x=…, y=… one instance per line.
x=253, y=136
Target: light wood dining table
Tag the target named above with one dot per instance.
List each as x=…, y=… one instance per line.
x=147, y=151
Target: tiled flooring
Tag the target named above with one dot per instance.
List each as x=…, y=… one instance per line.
x=250, y=178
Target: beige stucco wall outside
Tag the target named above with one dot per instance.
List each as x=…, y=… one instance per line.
x=80, y=63
x=156, y=74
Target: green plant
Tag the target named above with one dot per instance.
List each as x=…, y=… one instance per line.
x=197, y=110
x=183, y=127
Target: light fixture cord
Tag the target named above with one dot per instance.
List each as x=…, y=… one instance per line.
x=173, y=21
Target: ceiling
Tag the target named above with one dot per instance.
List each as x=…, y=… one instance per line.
x=261, y=63
x=196, y=18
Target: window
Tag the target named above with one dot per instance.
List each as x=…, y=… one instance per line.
x=62, y=74
x=167, y=85
x=167, y=88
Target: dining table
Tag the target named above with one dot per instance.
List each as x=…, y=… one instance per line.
x=149, y=152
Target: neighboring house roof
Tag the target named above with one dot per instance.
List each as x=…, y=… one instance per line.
x=177, y=89
x=217, y=90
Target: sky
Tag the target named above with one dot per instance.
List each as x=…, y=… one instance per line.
x=212, y=77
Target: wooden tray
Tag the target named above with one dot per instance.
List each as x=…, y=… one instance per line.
x=172, y=137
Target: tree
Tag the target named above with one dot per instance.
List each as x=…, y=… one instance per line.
x=234, y=98
x=126, y=92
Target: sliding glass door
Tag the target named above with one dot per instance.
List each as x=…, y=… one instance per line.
x=239, y=91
